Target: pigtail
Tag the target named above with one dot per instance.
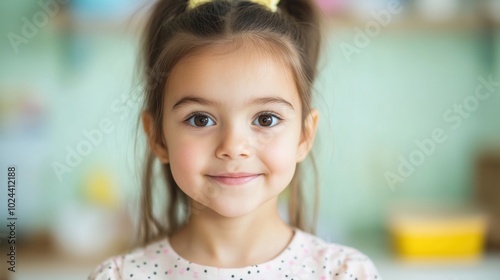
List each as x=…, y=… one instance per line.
x=163, y=12
x=153, y=227
x=307, y=16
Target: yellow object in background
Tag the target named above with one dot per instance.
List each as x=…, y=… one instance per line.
x=100, y=189
x=428, y=236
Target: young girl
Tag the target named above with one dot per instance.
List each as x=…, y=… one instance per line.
x=227, y=115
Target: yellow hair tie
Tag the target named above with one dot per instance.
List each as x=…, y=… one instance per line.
x=271, y=4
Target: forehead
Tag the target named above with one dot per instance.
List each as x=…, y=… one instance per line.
x=232, y=76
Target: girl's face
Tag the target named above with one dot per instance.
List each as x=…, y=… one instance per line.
x=234, y=114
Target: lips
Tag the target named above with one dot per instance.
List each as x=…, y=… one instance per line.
x=234, y=179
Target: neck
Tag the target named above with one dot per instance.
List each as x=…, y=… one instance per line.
x=214, y=240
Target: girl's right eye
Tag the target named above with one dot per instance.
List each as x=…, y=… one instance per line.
x=199, y=120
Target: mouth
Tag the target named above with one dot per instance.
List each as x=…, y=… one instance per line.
x=234, y=178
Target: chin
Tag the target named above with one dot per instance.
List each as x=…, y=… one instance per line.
x=233, y=210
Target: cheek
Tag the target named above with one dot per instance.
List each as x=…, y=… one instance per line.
x=186, y=159
x=284, y=142
x=280, y=155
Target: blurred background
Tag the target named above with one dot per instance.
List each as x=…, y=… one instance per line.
x=408, y=149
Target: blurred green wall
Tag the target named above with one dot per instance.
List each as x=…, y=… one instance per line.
x=373, y=109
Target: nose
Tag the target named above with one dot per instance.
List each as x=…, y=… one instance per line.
x=234, y=143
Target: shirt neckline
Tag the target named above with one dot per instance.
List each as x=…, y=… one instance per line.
x=281, y=256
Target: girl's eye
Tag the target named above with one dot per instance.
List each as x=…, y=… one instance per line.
x=266, y=120
x=200, y=120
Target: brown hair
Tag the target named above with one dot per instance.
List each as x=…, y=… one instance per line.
x=174, y=32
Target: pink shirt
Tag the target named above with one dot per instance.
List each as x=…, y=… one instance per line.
x=306, y=257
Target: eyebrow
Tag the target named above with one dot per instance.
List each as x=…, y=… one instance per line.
x=199, y=100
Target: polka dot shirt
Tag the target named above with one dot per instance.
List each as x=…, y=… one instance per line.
x=306, y=257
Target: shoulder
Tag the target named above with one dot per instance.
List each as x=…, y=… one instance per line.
x=334, y=261
x=140, y=262
x=108, y=269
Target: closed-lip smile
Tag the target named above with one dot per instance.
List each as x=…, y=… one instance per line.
x=234, y=178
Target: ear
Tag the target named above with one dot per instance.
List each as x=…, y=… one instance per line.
x=308, y=135
x=157, y=146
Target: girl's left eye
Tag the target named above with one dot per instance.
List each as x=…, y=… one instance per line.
x=266, y=120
